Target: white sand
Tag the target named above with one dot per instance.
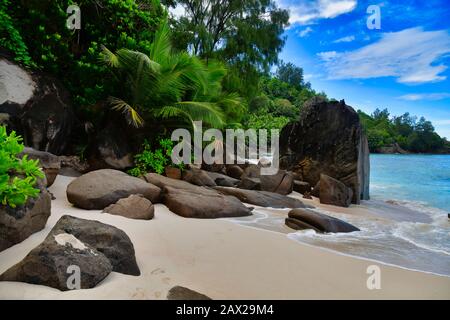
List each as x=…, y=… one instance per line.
x=224, y=261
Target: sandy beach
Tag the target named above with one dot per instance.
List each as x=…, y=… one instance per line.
x=223, y=260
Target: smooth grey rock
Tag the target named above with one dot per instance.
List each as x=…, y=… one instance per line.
x=98, y=189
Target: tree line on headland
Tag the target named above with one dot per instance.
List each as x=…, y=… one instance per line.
x=398, y=134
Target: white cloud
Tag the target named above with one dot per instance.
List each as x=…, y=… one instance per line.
x=345, y=39
x=445, y=122
x=327, y=55
x=409, y=55
x=425, y=96
x=304, y=33
x=310, y=76
x=306, y=12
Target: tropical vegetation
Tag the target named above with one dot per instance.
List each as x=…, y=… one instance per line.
x=410, y=133
x=18, y=174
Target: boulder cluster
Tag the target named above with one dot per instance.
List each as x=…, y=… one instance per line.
x=324, y=154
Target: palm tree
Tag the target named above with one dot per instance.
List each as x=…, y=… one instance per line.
x=167, y=84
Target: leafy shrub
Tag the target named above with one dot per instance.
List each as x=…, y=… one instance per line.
x=18, y=176
x=10, y=37
x=153, y=160
x=35, y=31
x=266, y=121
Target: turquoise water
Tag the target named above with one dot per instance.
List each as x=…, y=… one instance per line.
x=408, y=225
x=419, y=178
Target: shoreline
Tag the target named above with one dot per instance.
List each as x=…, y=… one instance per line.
x=223, y=261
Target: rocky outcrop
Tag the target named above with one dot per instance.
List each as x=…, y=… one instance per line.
x=208, y=204
x=173, y=173
x=98, y=189
x=234, y=171
x=49, y=163
x=222, y=180
x=111, y=148
x=73, y=166
x=161, y=182
x=183, y=293
x=93, y=247
x=334, y=192
x=300, y=219
x=316, y=190
x=133, y=207
x=263, y=198
x=327, y=139
x=17, y=224
x=191, y=201
x=37, y=106
x=53, y=261
x=198, y=177
x=249, y=183
x=282, y=182
x=302, y=186
x=107, y=239
x=392, y=149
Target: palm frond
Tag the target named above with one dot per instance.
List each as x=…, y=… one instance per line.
x=207, y=112
x=109, y=58
x=161, y=46
x=131, y=114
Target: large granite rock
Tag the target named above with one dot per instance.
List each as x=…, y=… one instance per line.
x=49, y=163
x=222, y=179
x=17, y=224
x=111, y=147
x=327, y=139
x=172, y=172
x=95, y=248
x=302, y=186
x=162, y=181
x=98, y=189
x=107, y=239
x=133, y=207
x=207, y=204
x=334, y=192
x=234, y=171
x=282, y=182
x=300, y=219
x=263, y=198
x=191, y=201
x=72, y=166
x=249, y=183
x=198, y=177
x=37, y=106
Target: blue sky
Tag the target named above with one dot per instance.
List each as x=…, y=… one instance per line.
x=404, y=66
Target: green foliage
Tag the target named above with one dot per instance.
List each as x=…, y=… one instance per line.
x=167, y=84
x=266, y=121
x=154, y=160
x=291, y=74
x=281, y=100
x=10, y=38
x=17, y=175
x=35, y=31
x=410, y=134
x=247, y=35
